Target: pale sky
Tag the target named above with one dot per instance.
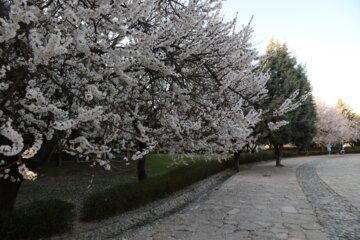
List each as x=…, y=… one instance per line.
x=322, y=34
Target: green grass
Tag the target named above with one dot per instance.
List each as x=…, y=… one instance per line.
x=158, y=164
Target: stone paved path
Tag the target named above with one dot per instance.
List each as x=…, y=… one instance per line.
x=262, y=202
x=342, y=173
x=337, y=214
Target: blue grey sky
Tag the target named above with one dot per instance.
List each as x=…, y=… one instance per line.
x=322, y=34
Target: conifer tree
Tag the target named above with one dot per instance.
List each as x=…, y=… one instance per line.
x=287, y=76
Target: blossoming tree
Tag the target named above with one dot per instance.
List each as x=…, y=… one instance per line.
x=107, y=76
x=333, y=127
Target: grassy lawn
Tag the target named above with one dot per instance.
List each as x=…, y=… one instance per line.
x=74, y=181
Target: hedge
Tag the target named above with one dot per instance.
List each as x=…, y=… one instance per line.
x=39, y=219
x=122, y=198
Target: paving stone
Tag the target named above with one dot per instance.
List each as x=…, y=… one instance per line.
x=308, y=226
x=281, y=235
x=247, y=226
x=316, y=235
x=230, y=222
x=228, y=228
x=234, y=211
x=262, y=236
x=297, y=235
x=289, y=209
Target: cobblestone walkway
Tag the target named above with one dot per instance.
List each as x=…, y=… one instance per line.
x=342, y=173
x=263, y=202
x=340, y=217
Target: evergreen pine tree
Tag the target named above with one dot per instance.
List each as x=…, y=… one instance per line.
x=286, y=75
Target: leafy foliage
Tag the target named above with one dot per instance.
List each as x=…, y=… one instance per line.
x=287, y=76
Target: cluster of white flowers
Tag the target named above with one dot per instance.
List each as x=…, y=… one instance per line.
x=290, y=104
x=144, y=152
x=26, y=173
x=5, y=174
x=4, y=86
x=151, y=73
x=7, y=30
x=16, y=139
x=29, y=153
x=4, y=68
x=275, y=126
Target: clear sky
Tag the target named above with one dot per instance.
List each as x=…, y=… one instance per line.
x=322, y=34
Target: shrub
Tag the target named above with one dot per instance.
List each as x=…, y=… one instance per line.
x=123, y=198
x=259, y=156
x=355, y=149
x=38, y=219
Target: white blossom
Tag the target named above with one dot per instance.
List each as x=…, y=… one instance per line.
x=26, y=173
x=291, y=103
x=333, y=127
x=275, y=126
x=29, y=153
x=7, y=30
x=4, y=68
x=16, y=139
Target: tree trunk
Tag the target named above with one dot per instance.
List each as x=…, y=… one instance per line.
x=253, y=149
x=8, y=189
x=48, y=149
x=237, y=160
x=76, y=159
x=8, y=194
x=141, y=173
x=278, y=154
x=59, y=160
